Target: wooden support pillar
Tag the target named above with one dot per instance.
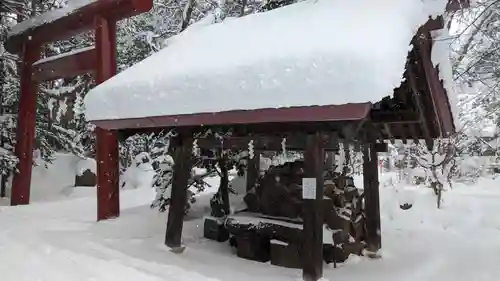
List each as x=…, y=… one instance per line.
x=253, y=170
x=108, y=199
x=312, y=184
x=371, y=193
x=182, y=171
x=224, y=182
x=26, y=121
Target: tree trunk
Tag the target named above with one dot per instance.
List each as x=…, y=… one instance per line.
x=243, y=6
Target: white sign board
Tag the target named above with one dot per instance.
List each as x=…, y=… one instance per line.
x=308, y=188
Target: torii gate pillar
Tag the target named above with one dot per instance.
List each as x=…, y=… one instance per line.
x=108, y=200
x=25, y=130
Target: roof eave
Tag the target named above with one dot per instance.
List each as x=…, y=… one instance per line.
x=303, y=114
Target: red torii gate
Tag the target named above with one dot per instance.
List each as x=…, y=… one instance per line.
x=100, y=15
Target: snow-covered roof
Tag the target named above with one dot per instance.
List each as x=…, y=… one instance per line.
x=315, y=52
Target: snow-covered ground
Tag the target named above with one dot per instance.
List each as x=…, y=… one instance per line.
x=60, y=240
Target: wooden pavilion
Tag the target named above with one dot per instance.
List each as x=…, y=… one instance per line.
x=418, y=109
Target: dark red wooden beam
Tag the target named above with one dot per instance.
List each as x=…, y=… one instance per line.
x=76, y=22
x=66, y=66
x=299, y=114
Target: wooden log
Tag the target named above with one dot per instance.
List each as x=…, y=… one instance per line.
x=312, y=251
x=371, y=193
x=182, y=172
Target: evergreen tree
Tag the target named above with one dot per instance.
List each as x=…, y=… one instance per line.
x=8, y=102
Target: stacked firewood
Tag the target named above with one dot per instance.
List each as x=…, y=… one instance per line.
x=344, y=213
x=278, y=193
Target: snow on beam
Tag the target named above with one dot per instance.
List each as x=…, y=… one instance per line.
x=73, y=19
x=66, y=65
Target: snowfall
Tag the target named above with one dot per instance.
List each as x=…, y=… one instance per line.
x=57, y=236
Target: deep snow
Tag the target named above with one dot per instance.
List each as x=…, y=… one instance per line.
x=60, y=240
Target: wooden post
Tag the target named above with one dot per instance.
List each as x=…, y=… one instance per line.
x=26, y=120
x=253, y=170
x=371, y=193
x=224, y=182
x=182, y=171
x=108, y=199
x=312, y=249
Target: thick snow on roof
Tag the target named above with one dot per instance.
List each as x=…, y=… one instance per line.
x=49, y=16
x=316, y=52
